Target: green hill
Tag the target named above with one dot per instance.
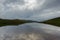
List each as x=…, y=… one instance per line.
x=55, y=22
x=4, y=22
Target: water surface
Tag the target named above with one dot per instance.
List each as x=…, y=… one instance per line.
x=30, y=31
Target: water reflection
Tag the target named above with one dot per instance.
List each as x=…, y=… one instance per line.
x=30, y=31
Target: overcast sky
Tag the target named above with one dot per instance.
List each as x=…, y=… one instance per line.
x=38, y=10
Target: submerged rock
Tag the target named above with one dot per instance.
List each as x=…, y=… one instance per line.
x=30, y=31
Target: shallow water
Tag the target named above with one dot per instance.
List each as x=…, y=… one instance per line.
x=30, y=31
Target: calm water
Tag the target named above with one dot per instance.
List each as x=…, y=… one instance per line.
x=30, y=31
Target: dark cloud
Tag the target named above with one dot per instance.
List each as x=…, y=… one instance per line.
x=14, y=1
x=53, y=4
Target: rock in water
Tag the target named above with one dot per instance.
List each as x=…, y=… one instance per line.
x=30, y=31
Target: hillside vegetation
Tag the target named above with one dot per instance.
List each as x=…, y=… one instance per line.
x=55, y=22
x=4, y=22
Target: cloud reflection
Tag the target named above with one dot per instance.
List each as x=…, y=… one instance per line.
x=34, y=31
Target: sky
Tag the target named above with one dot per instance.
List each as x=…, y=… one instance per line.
x=37, y=10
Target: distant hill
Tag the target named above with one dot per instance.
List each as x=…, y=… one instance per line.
x=55, y=22
x=4, y=22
